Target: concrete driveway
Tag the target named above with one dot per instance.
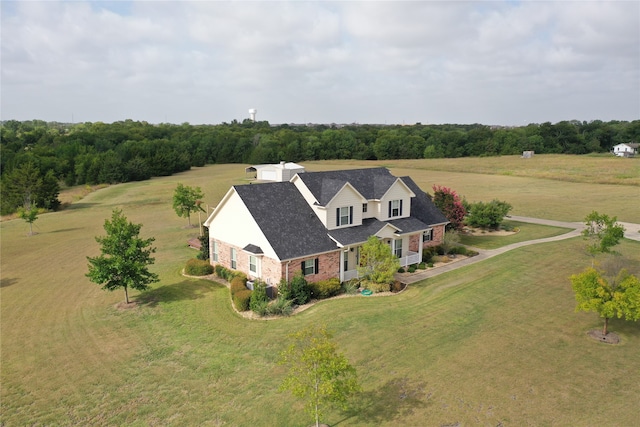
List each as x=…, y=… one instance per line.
x=632, y=231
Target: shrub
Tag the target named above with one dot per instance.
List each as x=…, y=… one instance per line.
x=241, y=299
x=401, y=270
x=488, y=215
x=441, y=258
x=376, y=287
x=412, y=268
x=325, y=288
x=396, y=286
x=237, y=284
x=197, y=267
x=299, y=290
x=428, y=253
x=422, y=266
x=222, y=272
x=280, y=307
x=351, y=287
x=430, y=265
x=259, y=299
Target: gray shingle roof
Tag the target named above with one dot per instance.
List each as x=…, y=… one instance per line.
x=286, y=219
x=370, y=226
x=372, y=183
x=422, y=207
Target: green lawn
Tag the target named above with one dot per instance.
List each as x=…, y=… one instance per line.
x=495, y=342
x=525, y=231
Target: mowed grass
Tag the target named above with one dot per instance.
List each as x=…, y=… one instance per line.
x=524, y=231
x=493, y=342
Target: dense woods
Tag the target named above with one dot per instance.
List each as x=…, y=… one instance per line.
x=94, y=153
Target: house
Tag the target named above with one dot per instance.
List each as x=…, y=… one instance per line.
x=626, y=150
x=279, y=172
x=316, y=223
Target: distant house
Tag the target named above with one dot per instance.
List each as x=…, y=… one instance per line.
x=316, y=223
x=629, y=149
x=278, y=172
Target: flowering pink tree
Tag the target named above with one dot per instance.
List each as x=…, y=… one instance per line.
x=448, y=201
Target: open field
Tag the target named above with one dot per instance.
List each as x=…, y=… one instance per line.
x=496, y=342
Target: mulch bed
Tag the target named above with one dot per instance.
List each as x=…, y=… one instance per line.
x=610, y=338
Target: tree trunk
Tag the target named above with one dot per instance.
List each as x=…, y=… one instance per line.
x=606, y=323
x=126, y=295
x=189, y=219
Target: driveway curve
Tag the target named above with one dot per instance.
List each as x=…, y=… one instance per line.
x=632, y=231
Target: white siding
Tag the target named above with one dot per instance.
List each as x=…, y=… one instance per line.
x=397, y=192
x=346, y=197
x=234, y=225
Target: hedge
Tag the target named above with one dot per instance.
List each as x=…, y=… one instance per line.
x=325, y=288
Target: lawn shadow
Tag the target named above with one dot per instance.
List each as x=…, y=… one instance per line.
x=181, y=291
x=64, y=230
x=6, y=282
x=398, y=398
x=76, y=205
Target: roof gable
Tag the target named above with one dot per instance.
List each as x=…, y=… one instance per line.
x=371, y=183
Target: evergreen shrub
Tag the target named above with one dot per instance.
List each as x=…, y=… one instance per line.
x=198, y=267
x=325, y=288
x=241, y=299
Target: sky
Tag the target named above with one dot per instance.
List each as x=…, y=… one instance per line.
x=376, y=62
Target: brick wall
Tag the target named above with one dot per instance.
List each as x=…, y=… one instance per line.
x=414, y=242
x=438, y=236
x=328, y=267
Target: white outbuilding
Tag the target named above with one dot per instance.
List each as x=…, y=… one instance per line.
x=278, y=172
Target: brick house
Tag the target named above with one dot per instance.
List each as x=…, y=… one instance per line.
x=316, y=223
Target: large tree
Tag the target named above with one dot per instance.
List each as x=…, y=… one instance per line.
x=618, y=296
x=125, y=257
x=488, y=215
x=186, y=200
x=317, y=373
x=603, y=233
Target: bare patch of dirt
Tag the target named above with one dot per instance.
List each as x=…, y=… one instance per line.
x=610, y=338
x=124, y=306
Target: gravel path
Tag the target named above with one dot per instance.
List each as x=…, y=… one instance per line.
x=632, y=231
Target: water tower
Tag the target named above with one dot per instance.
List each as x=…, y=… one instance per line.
x=252, y=114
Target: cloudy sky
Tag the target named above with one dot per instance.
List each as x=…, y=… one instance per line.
x=503, y=62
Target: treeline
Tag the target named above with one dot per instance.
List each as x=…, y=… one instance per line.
x=94, y=153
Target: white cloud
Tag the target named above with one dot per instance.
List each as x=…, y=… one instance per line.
x=491, y=62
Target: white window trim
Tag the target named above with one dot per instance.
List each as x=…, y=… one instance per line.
x=234, y=259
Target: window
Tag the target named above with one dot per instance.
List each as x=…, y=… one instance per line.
x=215, y=251
x=345, y=266
x=395, y=208
x=427, y=236
x=344, y=216
x=233, y=258
x=364, y=208
x=397, y=248
x=253, y=264
x=310, y=266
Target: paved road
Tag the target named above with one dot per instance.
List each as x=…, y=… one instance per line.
x=632, y=231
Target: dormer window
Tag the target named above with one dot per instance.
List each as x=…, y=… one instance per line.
x=395, y=208
x=344, y=216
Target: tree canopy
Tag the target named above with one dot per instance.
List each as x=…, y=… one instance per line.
x=124, y=259
x=377, y=263
x=450, y=204
x=317, y=373
x=488, y=215
x=603, y=233
x=186, y=200
x=101, y=153
x=616, y=297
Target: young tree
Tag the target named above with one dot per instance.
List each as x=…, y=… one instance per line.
x=449, y=202
x=603, y=233
x=186, y=200
x=317, y=373
x=125, y=257
x=29, y=215
x=449, y=241
x=619, y=296
x=377, y=263
x=488, y=215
